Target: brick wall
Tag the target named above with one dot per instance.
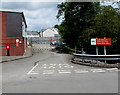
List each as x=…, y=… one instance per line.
x=0, y=31
x=14, y=50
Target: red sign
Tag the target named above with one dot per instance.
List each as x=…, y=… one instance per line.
x=52, y=40
x=17, y=42
x=103, y=41
x=7, y=46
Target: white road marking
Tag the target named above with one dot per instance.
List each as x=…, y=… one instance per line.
x=60, y=66
x=68, y=66
x=33, y=73
x=98, y=70
x=102, y=71
x=95, y=69
x=72, y=66
x=64, y=71
x=48, y=71
x=65, y=65
x=44, y=66
x=52, y=66
x=32, y=70
x=81, y=71
x=112, y=69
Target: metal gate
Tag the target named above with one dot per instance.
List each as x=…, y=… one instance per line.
x=42, y=40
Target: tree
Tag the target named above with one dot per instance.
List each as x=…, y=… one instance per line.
x=77, y=16
x=85, y=20
x=106, y=24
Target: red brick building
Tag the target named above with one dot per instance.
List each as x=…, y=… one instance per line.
x=12, y=27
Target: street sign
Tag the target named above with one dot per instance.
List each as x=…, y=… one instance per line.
x=101, y=41
x=93, y=41
x=7, y=46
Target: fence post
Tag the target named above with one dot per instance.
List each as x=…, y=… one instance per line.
x=96, y=50
x=82, y=50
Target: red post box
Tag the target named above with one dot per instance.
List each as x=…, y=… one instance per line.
x=7, y=46
x=8, y=49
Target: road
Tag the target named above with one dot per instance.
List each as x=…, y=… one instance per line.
x=50, y=72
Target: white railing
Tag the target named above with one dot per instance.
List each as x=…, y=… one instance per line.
x=97, y=57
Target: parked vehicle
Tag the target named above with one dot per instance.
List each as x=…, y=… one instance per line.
x=52, y=42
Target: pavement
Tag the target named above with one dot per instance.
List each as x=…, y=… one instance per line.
x=27, y=54
x=50, y=72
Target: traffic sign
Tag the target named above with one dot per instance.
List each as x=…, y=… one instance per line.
x=101, y=41
x=93, y=41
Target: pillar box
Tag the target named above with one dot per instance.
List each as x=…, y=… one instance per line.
x=8, y=49
x=7, y=46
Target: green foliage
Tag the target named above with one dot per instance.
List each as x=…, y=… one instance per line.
x=106, y=24
x=77, y=17
x=85, y=20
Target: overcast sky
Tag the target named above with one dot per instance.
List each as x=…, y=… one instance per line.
x=38, y=14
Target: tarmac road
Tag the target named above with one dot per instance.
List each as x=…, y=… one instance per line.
x=50, y=72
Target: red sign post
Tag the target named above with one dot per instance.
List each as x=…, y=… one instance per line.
x=101, y=41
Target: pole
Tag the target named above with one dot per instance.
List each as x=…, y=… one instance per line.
x=96, y=50
x=42, y=33
x=75, y=49
x=82, y=50
x=8, y=52
x=104, y=50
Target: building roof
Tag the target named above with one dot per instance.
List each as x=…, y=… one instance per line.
x=32, y=32
x=10, y=11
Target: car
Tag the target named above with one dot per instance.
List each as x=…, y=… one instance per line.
x=52, y=42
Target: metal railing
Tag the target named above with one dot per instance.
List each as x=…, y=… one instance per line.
x=97, y=57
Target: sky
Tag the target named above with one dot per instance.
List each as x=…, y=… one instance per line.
x=38, y=15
